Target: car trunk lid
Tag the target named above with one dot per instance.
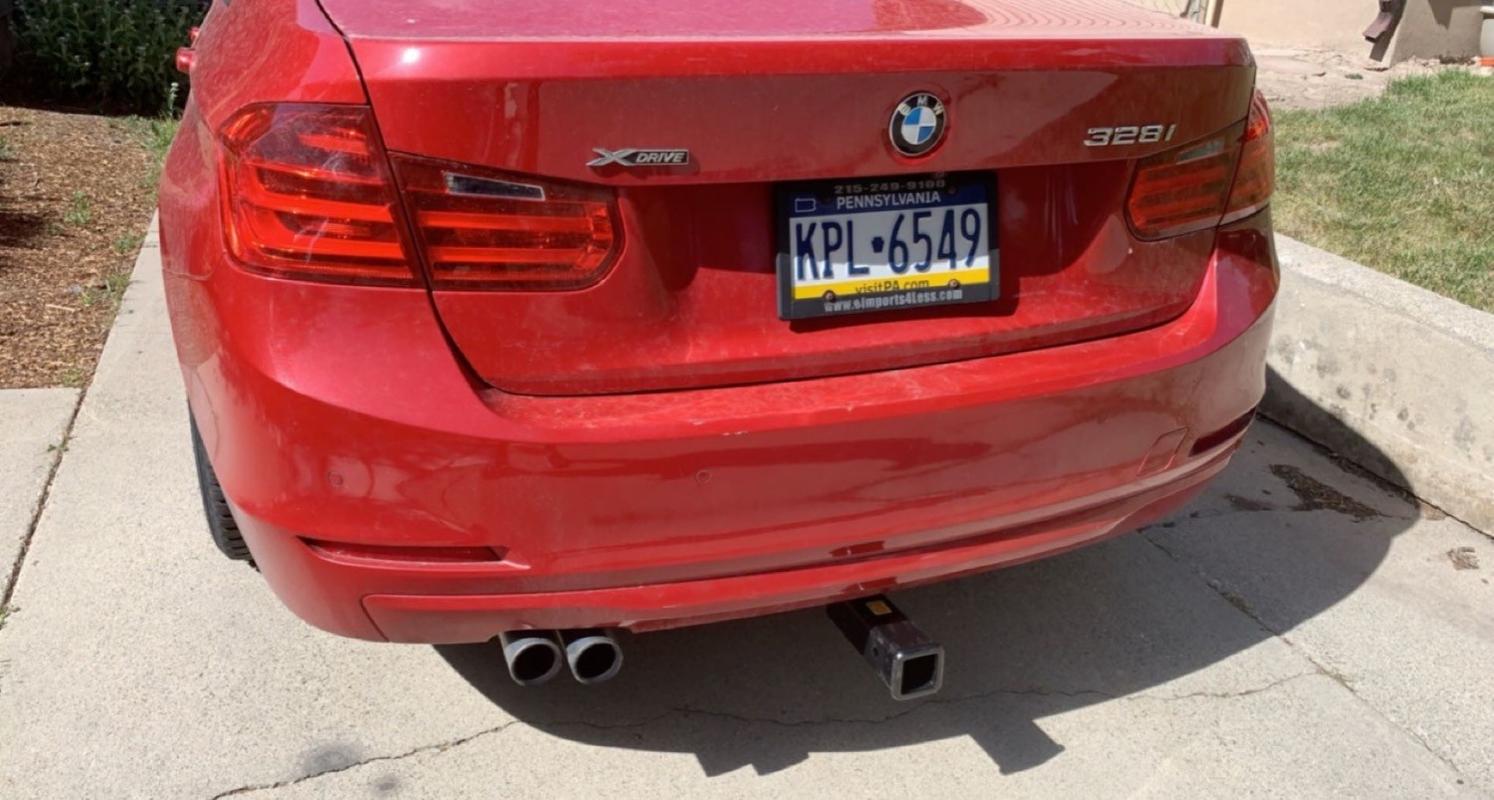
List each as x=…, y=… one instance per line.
x=774, y=91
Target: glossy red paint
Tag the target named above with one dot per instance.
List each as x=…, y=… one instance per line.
x=1024, y=80
x=659, y=449
x=781, y=21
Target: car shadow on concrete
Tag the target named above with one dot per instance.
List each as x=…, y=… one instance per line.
x=1120, y=618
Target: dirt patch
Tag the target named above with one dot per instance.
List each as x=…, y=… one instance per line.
x=1463, y=558
x=1295, y=77
x=76, y=192
x=1314, y=495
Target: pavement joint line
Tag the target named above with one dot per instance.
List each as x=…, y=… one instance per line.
x=1328, y=672
x=443, y=746
x=41, y=506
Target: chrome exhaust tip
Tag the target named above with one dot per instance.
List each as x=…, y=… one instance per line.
x=592, y=654
x=532, y=657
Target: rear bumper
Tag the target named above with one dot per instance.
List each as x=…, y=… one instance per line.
x=317, y=587
x=465, y=618
x=656, y=510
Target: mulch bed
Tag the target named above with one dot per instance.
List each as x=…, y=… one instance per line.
x=76, y=192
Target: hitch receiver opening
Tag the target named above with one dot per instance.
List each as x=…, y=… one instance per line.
x=902, y=655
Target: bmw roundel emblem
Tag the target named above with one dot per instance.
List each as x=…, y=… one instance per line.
x=917, y=124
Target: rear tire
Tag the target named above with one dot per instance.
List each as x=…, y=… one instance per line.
x=220, y=521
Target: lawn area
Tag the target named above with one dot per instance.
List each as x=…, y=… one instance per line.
x=1403, y=183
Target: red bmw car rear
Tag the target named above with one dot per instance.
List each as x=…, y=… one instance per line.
x=512, y=316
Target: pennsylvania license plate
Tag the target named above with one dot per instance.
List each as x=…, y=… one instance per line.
x=852, y=246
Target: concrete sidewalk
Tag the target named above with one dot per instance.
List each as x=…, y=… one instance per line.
x=33, y=423
x=1299, y=631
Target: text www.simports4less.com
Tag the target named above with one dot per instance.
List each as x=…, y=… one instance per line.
x=899, y=300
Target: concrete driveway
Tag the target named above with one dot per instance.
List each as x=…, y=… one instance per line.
x=1298, y=632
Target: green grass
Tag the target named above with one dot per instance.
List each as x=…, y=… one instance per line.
x=74, y=377
x=126, y=244
x=155, y=134
x=111, y=291
x=80, y=211
x=1403, y=183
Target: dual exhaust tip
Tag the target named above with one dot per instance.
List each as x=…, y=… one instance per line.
x=535, y=656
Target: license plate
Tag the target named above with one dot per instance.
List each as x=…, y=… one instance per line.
x=853, y=246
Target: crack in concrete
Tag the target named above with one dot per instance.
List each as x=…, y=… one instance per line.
x=1276, y=684
x=688, y=711
x=438, y=747
x=1322, y=669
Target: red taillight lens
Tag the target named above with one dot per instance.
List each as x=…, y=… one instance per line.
x=1183, y=190
x=482, y=229
x=307, y=194
x=1189, y=189
x=1256, y=178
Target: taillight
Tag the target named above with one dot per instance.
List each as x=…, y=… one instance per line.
x=1256, y=177
x=483, y=229
x=1189, y=189
x=307, y=194
x=1183, y=190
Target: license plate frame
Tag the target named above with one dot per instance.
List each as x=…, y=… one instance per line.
x=884, y=289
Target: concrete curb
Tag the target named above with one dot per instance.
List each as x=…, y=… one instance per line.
x=1393, y=377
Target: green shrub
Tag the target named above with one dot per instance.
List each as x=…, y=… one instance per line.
x=112, y=54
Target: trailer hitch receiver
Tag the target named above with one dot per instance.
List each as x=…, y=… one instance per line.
x=902, y=655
